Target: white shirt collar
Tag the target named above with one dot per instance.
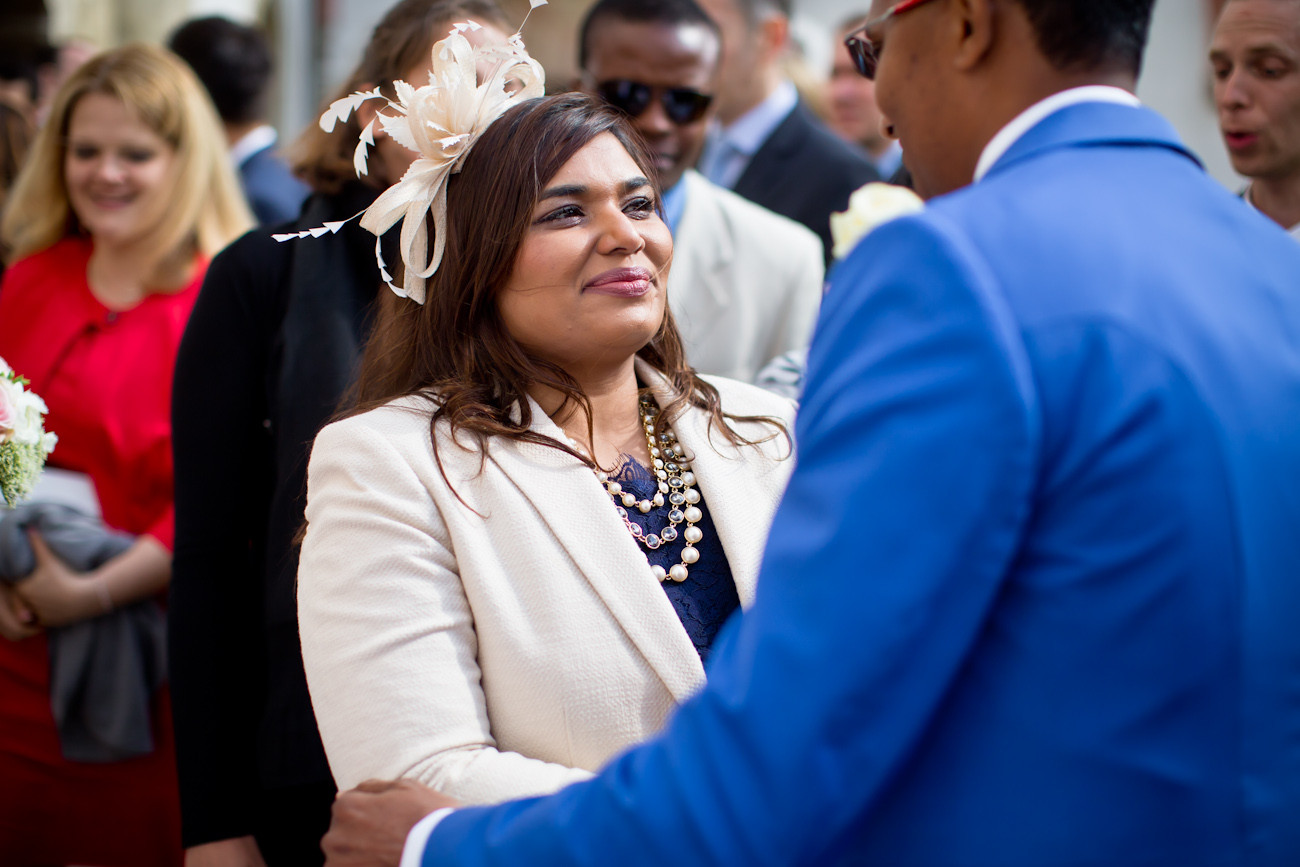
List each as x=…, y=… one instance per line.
x=1294, y=231
x=256, y=139
x=1036, y=113
x=748, y=132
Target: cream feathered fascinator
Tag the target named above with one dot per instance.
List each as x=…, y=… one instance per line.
x=468, y=89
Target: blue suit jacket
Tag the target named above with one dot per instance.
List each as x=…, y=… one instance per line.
x=273, y=192
x=1033, y=596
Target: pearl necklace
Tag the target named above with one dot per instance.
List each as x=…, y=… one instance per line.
x=677, y=483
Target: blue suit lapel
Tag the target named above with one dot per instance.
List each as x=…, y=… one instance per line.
x=1094, y=124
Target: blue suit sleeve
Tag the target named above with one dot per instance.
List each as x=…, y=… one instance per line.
x=917, y=447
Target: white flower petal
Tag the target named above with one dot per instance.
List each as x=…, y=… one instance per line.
x=869, y=207
x=440, y=122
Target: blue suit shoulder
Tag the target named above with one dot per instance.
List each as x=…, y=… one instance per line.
x=273, y=192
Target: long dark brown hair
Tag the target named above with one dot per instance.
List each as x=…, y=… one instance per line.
x=455, y=350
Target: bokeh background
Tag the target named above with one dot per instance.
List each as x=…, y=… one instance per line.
x=317, y=41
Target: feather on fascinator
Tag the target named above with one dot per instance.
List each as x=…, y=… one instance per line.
x=440, y=122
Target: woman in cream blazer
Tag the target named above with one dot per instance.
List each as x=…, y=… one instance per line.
x=475, y=613
x=506, y=644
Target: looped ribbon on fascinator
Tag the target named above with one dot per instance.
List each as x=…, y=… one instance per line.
x=441, y=122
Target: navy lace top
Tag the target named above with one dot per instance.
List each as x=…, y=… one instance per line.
x=708, y=596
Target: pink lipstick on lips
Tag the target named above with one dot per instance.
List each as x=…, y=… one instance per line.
x=624, y=282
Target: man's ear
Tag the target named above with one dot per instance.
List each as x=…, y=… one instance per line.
x=774, y=36
x=974, y=26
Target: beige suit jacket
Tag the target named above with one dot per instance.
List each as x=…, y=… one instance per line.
x=745, y=284
x=505, y=653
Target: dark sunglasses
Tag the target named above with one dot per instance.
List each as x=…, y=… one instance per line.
x=865, y=53
x=681, y=104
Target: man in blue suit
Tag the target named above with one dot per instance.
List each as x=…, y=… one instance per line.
x=1031, y=598
x=233, y=61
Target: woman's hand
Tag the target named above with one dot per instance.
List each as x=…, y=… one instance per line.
x=55, y=593
x=17, y=620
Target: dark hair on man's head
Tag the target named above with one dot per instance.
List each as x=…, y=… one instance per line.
x=25, y=43
x=670, y=13
x=232, y=60
x=1091, y=34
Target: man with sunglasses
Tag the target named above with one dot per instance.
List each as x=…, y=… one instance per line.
x=746, y=283
x=1030, y=599
x=768, y=146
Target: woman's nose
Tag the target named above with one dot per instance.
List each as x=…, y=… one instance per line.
x=110, y=168
x=620, y=233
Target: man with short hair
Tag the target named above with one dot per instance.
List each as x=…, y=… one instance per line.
x=1255, y=56
x=1030, y=598
x=768, y=146
x=233, y=61
x=851, y=103
x=746, y=283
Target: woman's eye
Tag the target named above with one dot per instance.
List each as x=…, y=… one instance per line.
x=83, y=152
x=138, y=156
x=640, y=206
x=566, y=212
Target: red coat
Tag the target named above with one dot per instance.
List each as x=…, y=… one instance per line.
x=106, y=377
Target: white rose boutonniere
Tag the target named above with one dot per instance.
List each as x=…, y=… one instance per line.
x=24, y=443
x=869, y=207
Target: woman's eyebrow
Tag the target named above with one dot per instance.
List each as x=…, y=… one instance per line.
x=579, y=190
x=565, y=190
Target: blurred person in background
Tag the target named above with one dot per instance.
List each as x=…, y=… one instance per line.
x=1255, y=58
x=126, y=194
x=234, y=63
x=768, y=146
x=16, y=133
x=746, y=283
x=28, y=60
x=277, y=333
x=852, y=110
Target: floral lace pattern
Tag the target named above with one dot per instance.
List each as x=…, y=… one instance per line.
x=708, y=597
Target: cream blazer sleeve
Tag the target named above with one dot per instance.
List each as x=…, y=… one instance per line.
x=381, y=604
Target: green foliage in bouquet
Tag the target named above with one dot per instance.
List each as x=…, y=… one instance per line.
x=20, y=466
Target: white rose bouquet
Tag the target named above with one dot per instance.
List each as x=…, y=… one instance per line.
x=24, y=443
x=869, y=206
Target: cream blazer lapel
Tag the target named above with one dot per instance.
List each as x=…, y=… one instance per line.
x=700, y=282
x=570, y=499
x=741, y=495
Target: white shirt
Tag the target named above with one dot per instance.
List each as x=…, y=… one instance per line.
x=256, y=139
x=730, y=148
x=1039, y=111
x=418, y=838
